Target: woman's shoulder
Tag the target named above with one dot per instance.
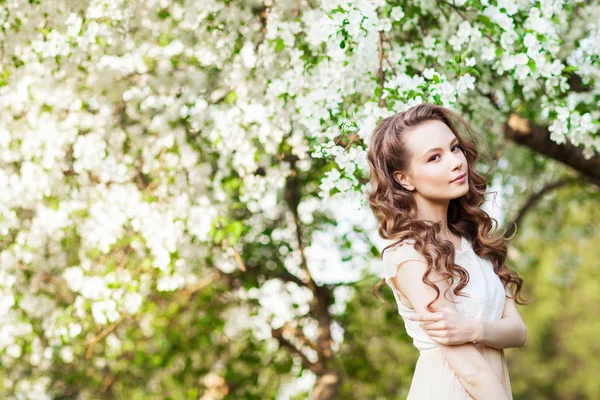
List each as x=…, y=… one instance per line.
x=399, y=252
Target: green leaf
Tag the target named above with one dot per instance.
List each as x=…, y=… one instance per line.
x=219, y=235
x=43, y=31
x=18, y=62
x=279, y=44
x=570, y=69
x=472, y=70
x=231, y=97
x=163, y=14
x=4, y=75
x=436, y=78
x=235, y=231
x=484, y=20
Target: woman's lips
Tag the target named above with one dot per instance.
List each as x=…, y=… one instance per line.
x=460, y=178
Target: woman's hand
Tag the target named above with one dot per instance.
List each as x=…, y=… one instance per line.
x=448, y=327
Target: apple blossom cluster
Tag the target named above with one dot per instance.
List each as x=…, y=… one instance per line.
x=107, y=149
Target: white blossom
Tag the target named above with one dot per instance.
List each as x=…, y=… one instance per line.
x=397, y=13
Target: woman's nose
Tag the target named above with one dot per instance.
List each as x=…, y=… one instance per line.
x=457, y=161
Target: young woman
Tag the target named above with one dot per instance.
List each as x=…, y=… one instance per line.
x=446, y=271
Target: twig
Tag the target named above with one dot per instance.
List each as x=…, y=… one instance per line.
x=465, y=18
x=101, y=336
x=382, y=101
x=278, y=334
x=533, y=199
x=391, y=66
x=200, y=285
x=239, y=260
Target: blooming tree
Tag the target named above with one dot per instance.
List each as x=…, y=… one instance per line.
x=151, y=148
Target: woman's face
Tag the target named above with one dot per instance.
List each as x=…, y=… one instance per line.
x=436, y=160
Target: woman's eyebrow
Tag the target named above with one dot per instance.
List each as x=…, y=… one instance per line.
x=438, y=148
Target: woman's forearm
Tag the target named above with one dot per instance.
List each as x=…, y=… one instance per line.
x=485, y=386
x=501, y=334
x=474, y=372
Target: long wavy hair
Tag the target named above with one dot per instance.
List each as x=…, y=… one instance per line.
x=396, y=210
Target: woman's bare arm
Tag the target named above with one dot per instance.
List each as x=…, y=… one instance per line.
x=510, y=331
x=474, y=372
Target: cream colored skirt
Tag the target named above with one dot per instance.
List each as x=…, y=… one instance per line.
x=435, y=379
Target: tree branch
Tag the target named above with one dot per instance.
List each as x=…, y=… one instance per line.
x=102, y=335
x=577, y=84
x=322, y=296
x=283, y=342
x=537, y=138
x=382, y=101
x=533, y=200
x=465, y=18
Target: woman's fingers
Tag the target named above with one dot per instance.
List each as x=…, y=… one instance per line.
x=438, y=334
x=434, y=326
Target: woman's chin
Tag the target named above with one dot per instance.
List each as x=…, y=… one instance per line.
x=461, y=193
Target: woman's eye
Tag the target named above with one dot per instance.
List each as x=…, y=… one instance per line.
x=435, y=155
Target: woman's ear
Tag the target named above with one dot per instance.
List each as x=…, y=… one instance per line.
x=403, y=180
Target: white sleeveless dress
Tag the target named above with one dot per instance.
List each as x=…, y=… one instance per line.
x=433, y=377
